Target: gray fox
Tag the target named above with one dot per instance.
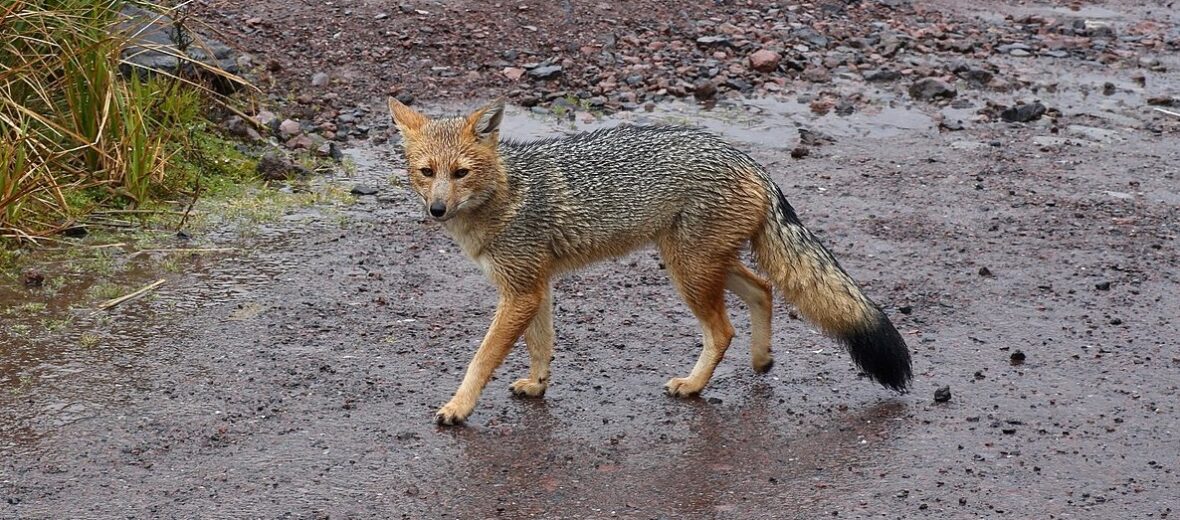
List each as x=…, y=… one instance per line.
x=527, y=212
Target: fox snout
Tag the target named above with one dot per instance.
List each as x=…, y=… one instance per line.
x=438, y=209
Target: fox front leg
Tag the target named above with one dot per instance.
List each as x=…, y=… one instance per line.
x=539, y=339
x=513, y=315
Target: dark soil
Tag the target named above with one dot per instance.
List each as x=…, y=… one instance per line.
x=298, y=377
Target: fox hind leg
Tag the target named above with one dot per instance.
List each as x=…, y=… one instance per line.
x=701, y=280
x=539, y=339
x=756, y=292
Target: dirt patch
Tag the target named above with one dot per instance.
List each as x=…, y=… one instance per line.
x=297, y=377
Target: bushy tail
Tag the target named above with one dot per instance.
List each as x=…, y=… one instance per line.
x=811, y=279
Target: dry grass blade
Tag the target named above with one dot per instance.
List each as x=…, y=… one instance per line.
x=142, y=291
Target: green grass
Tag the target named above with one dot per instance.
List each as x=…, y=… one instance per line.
x=77, y=137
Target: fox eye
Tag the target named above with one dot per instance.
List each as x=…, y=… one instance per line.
x=461, y=172
x=427, y=172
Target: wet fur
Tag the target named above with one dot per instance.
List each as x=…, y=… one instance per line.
x=529, y=211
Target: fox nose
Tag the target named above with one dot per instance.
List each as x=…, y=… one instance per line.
x=438, y=209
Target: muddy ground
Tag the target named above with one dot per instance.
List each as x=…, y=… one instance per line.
x=297, y=376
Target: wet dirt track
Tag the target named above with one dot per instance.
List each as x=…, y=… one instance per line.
x=297, y=378
x=302, y=380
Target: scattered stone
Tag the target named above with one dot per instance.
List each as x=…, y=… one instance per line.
x=1017, y=357
x=814, y=138
x=155, y=45
x=1098, y=29
x=1023, y=112
x=985, y=272
x=975, y=75
x=289, y=128
x=704, y=90
x=882, y=75
x=1019, y=53
x=268, y=119
x=236, y=126
x=952, y=124
x=943, y=394
x=1102, y=286
x=319, y=79
x=361, y=189
x=905, y=309
x=301, y=142
x=330, y=150
x=275, y=167
x=513, y=73
x=817, y=75
x=764, y=60
x=800, y=152
x=545, y=72
x=929, y=89
x=33, y=278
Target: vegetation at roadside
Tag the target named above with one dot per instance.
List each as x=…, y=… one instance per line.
x=78, y=139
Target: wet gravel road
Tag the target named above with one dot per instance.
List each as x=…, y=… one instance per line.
x=297, y=378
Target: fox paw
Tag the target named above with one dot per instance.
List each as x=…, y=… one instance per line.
x=682, y=387
x=528, y=388
x=451, y=414
x=762, y=366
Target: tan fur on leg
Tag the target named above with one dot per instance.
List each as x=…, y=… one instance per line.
x=756, y=292
x=701, y=281
x=513, y=315
x=539, y=338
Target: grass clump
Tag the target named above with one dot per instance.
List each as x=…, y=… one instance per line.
x=76, y=136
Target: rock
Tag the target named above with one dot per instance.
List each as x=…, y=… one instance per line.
x=713, y=41
x=1017, y=357
x=545, y=72
x=1164, y=101
x=330, y=150
x=1098, y=29
x=289, y=128
x=301, y=142
x=764, y=60
x=1023, y=112
x=882, y=75
x=154, y=44
x=800, y=152
x=845, y=107
x=705, y=90
x=405, y=98
x=513, y=73
x=274, y=167
x=985, y=272
x=905, y=309
x=319, y=79
x=943, y=394
x=817, y=75
x=1019, y=53
x=1102, y=286
x=953, y=124
x=812, y=37
x=236, y=126
x=361, y=189
x=268, y=119
x=975, y=75
x=814, y=138
x=33, y=278
x=929, y=89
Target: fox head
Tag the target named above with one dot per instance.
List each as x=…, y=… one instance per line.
x=453, y=163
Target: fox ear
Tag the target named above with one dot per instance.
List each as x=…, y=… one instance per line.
x=485, y=122
x=408, y=120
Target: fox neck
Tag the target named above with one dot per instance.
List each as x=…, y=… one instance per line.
x=476, y=229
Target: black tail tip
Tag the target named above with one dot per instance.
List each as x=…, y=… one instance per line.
x=879, y=350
